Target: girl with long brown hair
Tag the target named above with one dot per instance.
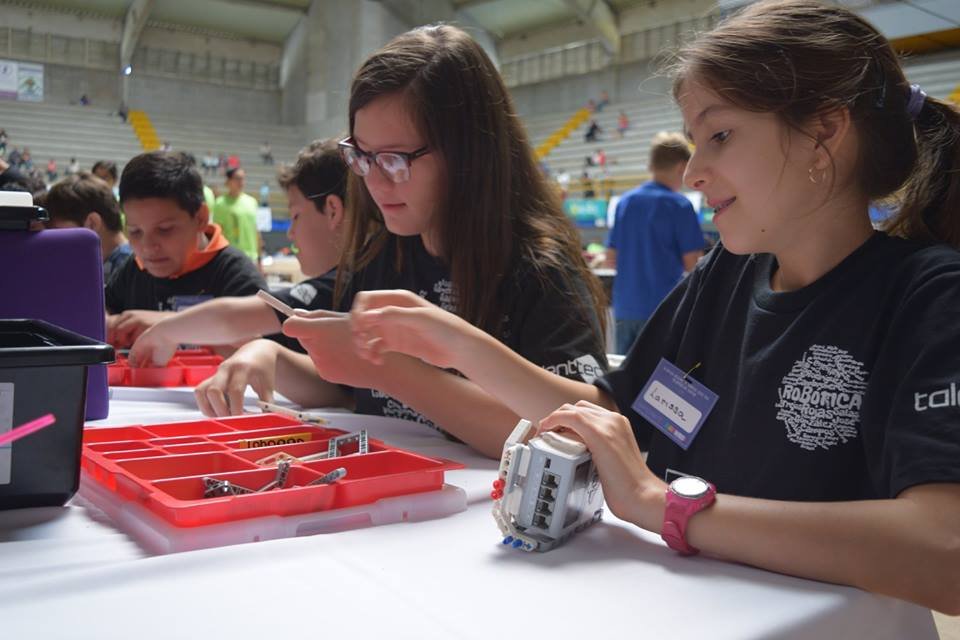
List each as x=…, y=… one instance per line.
x=447, y=202
x=801, y=383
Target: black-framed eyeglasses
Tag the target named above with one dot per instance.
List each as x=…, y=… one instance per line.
x=394, y=164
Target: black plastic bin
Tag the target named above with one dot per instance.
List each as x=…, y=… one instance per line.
x=43, y=369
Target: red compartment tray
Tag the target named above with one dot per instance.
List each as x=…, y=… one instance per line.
x=162, y=468
x=188, y=367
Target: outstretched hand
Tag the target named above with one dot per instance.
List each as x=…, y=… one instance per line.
x=124, y=328
x=151, y=349
x=403, y=322
x=326, y=337
x=254, y=364
x=624, y=474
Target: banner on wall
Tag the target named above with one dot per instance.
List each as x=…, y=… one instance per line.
x=8, y=80
x=21, y=81
x=29, y=82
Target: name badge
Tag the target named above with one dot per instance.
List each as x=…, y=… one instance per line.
x=179, y=303
x=675, y=403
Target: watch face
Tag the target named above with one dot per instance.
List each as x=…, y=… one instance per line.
x=689, y=487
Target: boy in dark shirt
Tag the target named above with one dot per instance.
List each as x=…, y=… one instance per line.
x=180, y=259
x=84, y=200
x=316, y=189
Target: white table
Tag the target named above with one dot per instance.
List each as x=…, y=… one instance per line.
x=65, y=574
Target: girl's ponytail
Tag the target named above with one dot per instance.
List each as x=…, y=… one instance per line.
x=929, y=202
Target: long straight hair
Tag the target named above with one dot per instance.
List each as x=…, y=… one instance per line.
x=497, y=206
x=800, y=57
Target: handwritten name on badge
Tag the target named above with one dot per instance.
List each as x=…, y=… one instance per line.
x=675, y=403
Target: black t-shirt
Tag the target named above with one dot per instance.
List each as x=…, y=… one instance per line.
x=230, y=273
x=314, y=294
x=547, y=324
x=846, y=389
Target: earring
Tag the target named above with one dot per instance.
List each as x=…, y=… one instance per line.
x=823, y=175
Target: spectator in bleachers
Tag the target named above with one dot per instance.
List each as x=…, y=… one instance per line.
x=603, y=102
x=623, y=123
x=73, y=167
x=600, y=159
x=106, y=171
x=180, y=259
x=655, y=239
x=316, y=186
x=123, y=111
x=563, y=179
x=52, y=170
x=84, y=100
x=236, y=213
x=593, y=131
x=166, y=147
x=26, y=160
x=14, y=158
x=265, y=194
x=10, y=175
x=266, y=152
x=586, y=185
x=591, y=105
x=233, y=162
x=84, y=200
x=3, y=141
x=210, y=164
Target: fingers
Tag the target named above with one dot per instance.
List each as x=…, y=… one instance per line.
x=200, y=393
x=263, y=387
x=319, y=313
x=369, y=300
x=212, y=394
x=385, y=329
x=234, y=394
x=141, y=354
x=596, y=426
x=309, y=327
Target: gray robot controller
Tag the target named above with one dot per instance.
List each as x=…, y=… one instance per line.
x=547, y=490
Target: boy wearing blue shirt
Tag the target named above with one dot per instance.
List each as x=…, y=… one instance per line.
x=655, y=239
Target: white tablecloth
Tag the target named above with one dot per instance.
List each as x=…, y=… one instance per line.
x=66, y=573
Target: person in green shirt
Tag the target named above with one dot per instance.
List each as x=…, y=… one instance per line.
x=209, y=197
x=236, y=213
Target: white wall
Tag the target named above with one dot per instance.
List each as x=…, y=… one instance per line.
x=65, y=85
x=203, y=100
x=625, y=83
x=174, y=39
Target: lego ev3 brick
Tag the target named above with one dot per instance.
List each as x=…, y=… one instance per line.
x=558, y=495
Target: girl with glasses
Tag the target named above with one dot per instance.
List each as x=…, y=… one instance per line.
x=802, y=381
x=446, y=202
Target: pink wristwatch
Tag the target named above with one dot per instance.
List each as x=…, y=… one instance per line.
x=685, y=496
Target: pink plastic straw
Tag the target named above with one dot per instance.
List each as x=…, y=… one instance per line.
x=27, y=428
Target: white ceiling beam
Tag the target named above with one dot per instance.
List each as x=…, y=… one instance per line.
x=270, y=4
x=133, y=23
x=599, y=15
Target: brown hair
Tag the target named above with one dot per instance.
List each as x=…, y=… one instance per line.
x=798, y=58
x=668, y=150
x=75, y=197
x=497, y=207
x=319, y=169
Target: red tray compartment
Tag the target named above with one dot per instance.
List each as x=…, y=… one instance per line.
x=162, y=468
x=188, y=367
